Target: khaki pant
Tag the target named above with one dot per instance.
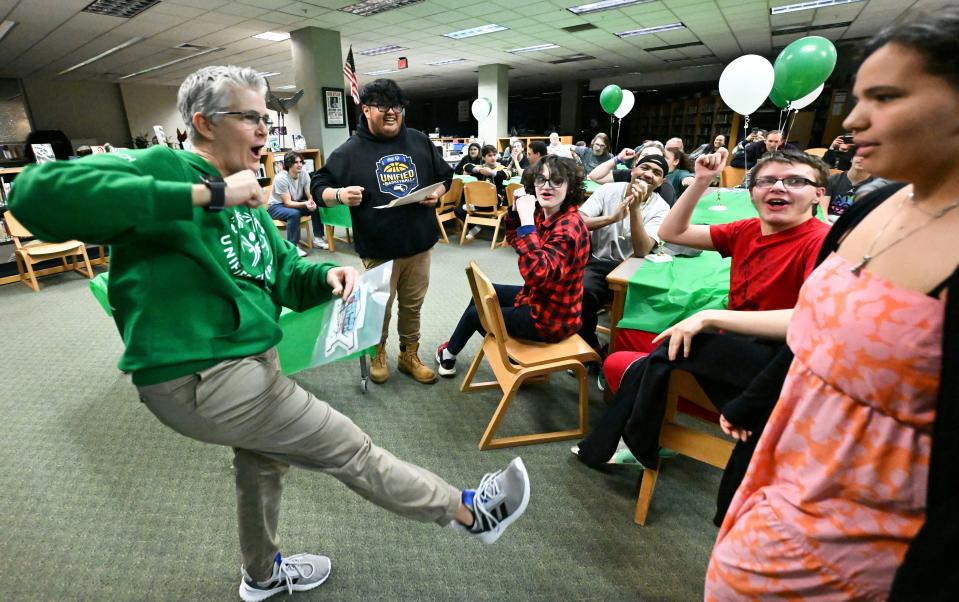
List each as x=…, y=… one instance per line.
x=409, y=282
x=272, y=423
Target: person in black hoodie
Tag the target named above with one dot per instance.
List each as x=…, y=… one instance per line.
x=385, y=160
x=471, y=158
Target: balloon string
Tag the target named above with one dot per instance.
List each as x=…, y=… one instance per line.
x=619, y=124
x=745, y=130
x=790, y=126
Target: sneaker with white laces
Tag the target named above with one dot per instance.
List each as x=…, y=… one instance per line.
x=445, y=366
x=301, y=252
x=472, y=232
x=500, y=499
x=297, y=573
x=321, y=242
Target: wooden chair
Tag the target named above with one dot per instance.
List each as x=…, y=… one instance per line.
x=444, y=210
x=482, y=208
x=732, y=177
x=516, y=361
x=687, y=441
x=32, y=252
x=511, y=193
x=281, y=224
x=816, y=152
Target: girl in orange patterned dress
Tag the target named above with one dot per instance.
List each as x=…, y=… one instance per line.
x=861, y=448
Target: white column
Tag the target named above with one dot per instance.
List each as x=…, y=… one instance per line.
x=318, y=64
x=494, y=85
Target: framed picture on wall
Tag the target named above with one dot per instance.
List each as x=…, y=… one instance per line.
x=334, y=108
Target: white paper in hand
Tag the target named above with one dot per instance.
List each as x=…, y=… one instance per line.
x=414, y=197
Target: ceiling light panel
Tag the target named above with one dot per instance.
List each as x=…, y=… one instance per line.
x=650, y=30
x=381, y=72
x=811, y=5
x=380, y=50
x=533, y=48
x=440, y=63
x=595, y=7
x=5, y=27
x=475, y=31
x=170, y=63
x=124, y=9
x=273, y=36
x=102, y=55
x=374, y=7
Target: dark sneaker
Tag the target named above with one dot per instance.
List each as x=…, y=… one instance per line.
x=446, y=367
x=500, y=499
x=298, y=573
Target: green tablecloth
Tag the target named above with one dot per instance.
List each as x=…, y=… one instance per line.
x=660, y=294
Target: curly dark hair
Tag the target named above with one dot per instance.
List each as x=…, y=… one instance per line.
x=683, y=158
x=290, y=158
x=487, y=149
x=569, y=169
x=382, y=92
x=934, y=35
x=792, y=158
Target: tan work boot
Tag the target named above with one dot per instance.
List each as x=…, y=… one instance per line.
x=379, y=370
x=410, y=363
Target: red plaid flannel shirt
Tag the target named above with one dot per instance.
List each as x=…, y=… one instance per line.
x=552, y=261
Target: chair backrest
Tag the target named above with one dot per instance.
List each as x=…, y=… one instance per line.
x=511, y=193
x=816, y=152
x=487, y=306
x=732, y=176
x=481, y=195
x=267, y=190
x=17, y=230
x=452, y=196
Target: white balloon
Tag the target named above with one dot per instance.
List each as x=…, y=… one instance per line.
x=481, y=108
x=746, y=82
x=625, y=105
x=807, y=100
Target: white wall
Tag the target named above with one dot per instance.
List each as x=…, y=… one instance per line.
x=82, y=110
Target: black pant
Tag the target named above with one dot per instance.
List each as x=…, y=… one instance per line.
x=519, y=322
x=723, y=364
x=596, y=294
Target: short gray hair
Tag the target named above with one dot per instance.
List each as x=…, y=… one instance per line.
x=208, y=90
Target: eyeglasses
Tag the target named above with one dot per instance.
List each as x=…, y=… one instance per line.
x=251, y=118
x=555, y=181
x=794, y=182
x=385, y=108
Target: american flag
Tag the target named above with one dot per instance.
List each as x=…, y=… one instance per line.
x=349, y=71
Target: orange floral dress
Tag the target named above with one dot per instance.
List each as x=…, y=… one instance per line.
x=836, y=489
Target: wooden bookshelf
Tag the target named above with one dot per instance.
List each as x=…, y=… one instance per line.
x=270, y=160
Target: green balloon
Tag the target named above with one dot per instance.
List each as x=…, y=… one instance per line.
x=803, y=65
x=611, y=97
x=777, y=98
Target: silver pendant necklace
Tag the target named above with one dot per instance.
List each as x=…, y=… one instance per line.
x=869, y=255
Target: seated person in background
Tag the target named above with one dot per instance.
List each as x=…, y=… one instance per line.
x=754, y=136
x=842, y=188
x=753, y=152
x=488, y=171
x=470, y=159
x=597, y=152
x=680, y=170
x=606, y=171
x=504, y=156
x=552, y=242
x=718, y=142
x=675, y=143
x=622, y=223
x=537, y=150
x=517, y=161
x=556, y=147
x=840, y=153
x=290, y=199
x=771, y=257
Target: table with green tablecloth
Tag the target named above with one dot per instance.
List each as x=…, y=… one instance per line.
x=654, y=296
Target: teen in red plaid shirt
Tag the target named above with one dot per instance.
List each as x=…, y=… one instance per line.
x=553, y=247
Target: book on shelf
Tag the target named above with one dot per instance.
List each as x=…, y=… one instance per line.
x=277, y=167
x=309, y=166
x=299, y=142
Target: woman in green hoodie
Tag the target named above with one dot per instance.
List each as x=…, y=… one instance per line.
x=198, y=276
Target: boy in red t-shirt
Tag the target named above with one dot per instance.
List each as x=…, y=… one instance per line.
x=771, y=257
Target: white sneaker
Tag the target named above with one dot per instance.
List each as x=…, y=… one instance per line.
x=472, y=233
x=321, y=243
x=301, y=252
x=500, y=499
x=298, y=573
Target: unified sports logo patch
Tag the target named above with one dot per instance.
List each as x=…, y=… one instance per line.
x=396, y=175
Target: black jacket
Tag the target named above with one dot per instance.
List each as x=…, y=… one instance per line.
x=754, y=152
x=387, y=168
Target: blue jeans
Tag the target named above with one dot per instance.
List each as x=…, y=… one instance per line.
x=519, y=323
x=292, y=218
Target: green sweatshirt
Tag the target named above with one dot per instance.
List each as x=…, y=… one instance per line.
x=188, y=288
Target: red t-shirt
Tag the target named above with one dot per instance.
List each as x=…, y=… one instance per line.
x=767, y=271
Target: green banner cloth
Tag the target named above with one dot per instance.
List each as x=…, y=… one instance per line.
x=660, y=294
x=338, y=216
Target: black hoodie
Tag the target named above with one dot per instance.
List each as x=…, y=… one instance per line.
x=386, y=168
